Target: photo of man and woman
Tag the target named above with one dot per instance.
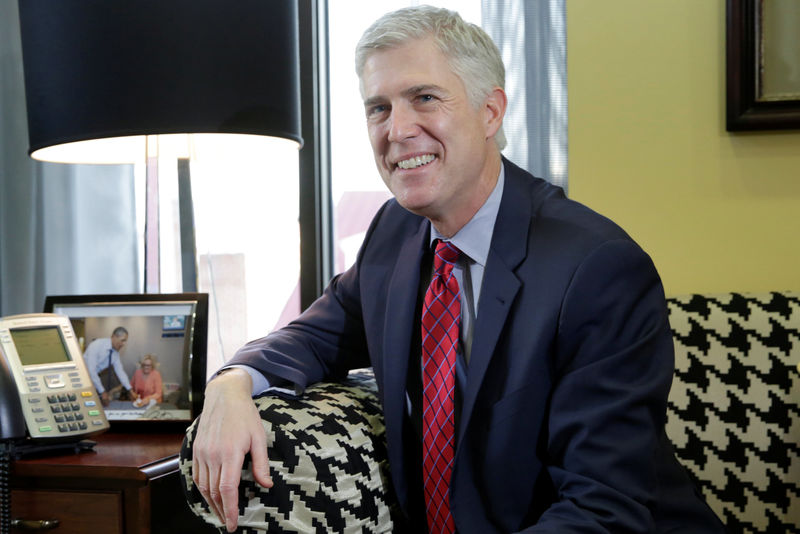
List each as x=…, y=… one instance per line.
x=137, y=366
x=140, y=353
x=145, y=353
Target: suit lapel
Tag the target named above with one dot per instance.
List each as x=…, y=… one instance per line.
x=401, y=304
x=500, y=283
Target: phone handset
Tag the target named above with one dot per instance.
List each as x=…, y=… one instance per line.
x=12, y=427
x=12, y=422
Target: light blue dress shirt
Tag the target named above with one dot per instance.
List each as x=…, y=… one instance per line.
x=473, y=240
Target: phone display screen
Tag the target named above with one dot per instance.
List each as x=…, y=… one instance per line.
x=41, y=345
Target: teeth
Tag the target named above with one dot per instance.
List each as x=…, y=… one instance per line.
x=413, y=163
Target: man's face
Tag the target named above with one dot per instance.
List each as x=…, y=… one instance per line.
x=118, y=342
x=431, y=145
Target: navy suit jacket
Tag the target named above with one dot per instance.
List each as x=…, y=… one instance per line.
x=562, y=418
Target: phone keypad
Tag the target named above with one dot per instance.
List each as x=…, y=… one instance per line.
x=70, y=411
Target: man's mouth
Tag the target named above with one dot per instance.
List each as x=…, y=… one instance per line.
x=417, y=161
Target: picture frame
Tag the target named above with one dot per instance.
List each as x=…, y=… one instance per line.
x=172, y=327
x=750, y=104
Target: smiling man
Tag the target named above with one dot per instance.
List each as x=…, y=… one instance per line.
x=519, y=340
x=434, y=148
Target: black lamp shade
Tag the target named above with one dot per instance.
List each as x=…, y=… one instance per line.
x=107, y=68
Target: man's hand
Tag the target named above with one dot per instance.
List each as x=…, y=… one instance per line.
x=105, y=399
x=229, y=428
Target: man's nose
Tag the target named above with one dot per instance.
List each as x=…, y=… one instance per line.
x=403, y=124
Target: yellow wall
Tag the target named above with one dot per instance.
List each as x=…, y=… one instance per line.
x=648, y=147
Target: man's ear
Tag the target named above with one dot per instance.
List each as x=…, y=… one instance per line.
x=495, y=109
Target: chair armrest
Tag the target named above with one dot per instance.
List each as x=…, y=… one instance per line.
x=328, y=462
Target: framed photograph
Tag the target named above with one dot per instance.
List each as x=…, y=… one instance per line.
x=146, y=353
x=762, y=65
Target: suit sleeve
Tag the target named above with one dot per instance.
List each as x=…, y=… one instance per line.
x=607, y=413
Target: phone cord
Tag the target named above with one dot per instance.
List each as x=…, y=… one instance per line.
x=5, y=488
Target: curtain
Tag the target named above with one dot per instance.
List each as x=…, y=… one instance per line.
x=531, y=36
x=64, y=229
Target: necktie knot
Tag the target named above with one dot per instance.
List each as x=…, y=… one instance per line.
x=445, y=257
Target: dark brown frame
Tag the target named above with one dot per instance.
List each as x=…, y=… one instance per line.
x=744, y=111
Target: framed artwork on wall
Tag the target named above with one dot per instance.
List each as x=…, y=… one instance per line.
x=762, y=65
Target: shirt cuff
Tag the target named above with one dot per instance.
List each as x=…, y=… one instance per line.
x=260, y=382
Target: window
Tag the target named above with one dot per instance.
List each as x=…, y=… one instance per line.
x=245, y=193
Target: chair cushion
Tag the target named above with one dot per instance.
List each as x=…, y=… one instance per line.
x=734, y=407
x=328, y=462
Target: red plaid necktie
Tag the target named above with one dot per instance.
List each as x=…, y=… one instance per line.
x=441, y=316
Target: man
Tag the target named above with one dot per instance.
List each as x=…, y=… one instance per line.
x=103, y=361
x=548, y=382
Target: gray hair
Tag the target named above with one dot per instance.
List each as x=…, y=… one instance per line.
x=120, y=331
x=472, y=54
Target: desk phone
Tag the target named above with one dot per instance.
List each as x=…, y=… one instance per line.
x=56, y=395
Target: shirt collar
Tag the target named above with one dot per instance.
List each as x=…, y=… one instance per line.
x=475, y=238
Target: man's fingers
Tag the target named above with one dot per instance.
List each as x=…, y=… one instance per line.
x=200, y=477
x=258, y=456
x=228, y=428
x=214, y=498
x=229, y=491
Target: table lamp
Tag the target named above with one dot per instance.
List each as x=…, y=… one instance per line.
x=102, y=78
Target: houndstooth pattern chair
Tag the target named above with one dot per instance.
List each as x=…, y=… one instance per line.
x=328, y=463
x=733, y=415
x=734, y=407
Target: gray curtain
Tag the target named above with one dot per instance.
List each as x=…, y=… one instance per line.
x=64, y=229
x=532, y=38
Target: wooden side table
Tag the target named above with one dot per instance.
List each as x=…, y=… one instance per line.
x=128, y=484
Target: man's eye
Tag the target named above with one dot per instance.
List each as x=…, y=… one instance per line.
x=425, y=98
x=375, y=110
